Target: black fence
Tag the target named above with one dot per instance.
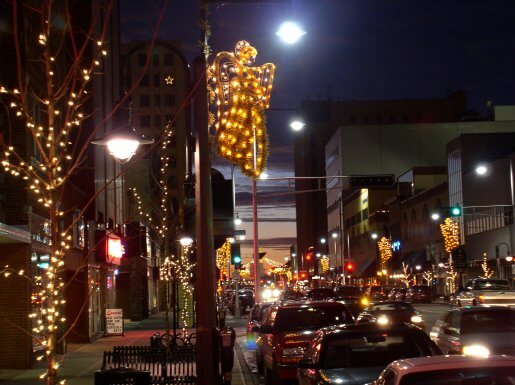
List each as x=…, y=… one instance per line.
x=145, y=365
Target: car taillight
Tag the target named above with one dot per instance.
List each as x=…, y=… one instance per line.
x=481, y=298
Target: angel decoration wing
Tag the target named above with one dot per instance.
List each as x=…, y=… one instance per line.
x=242, y=94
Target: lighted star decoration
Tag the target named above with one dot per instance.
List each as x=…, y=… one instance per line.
x=169, y=80
x=241, y=94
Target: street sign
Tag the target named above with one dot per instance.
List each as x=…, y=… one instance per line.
x=370, y=181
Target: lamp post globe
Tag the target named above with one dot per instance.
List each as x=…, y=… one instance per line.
x=290, y=32
x=186, y=241
x=297, y=125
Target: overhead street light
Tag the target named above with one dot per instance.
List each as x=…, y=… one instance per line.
x=297, y=125
x=290, y=32
x=481, y=169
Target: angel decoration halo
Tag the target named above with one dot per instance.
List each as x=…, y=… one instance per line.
x=242, y=93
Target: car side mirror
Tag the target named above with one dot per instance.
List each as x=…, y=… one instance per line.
x=306, y=363
x=266, y=329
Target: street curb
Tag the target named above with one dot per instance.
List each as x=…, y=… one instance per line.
x=247, y=375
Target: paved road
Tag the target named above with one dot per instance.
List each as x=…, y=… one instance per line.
x=430, y=312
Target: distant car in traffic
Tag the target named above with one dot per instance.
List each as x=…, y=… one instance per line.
x=419, y=294
x=476, y=330
x=320, y=293
x=376, y=293
x=449, y=370
x=255, y=318
x=356, y=354
x=391, y=313
x=286, y=332
x=486, y=291
x=351, y=297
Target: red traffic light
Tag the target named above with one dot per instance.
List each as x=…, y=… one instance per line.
x=350, y=266
x=303, y=275
x=308, y=257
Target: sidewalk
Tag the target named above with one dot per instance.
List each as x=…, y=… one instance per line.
x=78, y=365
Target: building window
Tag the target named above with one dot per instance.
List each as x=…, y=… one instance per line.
x=145, y=120
x=352, y=118
x=405, y=118
x=157, y=100
x=379, y=118
x=144, y=81
x=419, y=117
x=144, y=101
x=169, y=100
x=413, y=225
x=405, y=227
x=169, y=59
x=426, y=220
x=157, y=120
x=157, y=80
x=365, y=118
x=393, y=118
x=142, y=59
x=155, y=59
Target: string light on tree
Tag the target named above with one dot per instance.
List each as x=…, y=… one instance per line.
x=385, y=251
x=487, y=272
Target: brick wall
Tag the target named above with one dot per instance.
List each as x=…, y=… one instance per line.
x=16, y=345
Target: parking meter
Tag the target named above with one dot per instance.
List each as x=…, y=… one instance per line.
x=227, y=341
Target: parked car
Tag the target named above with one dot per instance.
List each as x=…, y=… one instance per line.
x=286, y=332
x=246, y=298
x=419, y=293
x=486, y=291
x=356, y=354
x=392, y=293
x=449, y=370
x=400, y=294
x=391, y=313
x=320, y=293
x=351, y=297
x=255, y=318
x=476, y=330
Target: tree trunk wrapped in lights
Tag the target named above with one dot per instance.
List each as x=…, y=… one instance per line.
x=487, y=272
x=385, y=252
x=241, y=94
x=451, y=237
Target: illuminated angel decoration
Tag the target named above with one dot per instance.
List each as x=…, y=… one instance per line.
x=242, y=95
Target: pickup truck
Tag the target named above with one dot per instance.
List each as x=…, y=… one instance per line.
x=486, y=291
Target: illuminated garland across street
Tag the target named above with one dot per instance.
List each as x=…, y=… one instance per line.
x=241, y=94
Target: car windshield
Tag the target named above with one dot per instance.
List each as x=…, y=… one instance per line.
x=320, y=293
x=491, y=284
x=390, y=307
x=372, y=348
x=348, y=290
x=464, y=376
x=501, y=321
x=308, y=317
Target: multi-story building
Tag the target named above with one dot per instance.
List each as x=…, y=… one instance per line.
x=358, y=137
x=158, y=79
x=388, y=149
x=26, y=245
x=481, y=177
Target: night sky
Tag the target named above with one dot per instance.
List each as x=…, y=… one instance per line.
x=353, y=50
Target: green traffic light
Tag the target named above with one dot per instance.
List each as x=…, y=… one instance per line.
x=455, y=211
x=236, y=259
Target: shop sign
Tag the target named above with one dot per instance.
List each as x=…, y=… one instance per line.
x=114, y=322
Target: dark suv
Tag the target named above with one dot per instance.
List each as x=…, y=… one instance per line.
x=419, y=293
x=286, y=332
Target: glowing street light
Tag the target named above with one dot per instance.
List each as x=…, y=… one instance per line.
x=297, y=125
x=374, y=235
x=481, y=169
x=435, y=216
x=237, y=220
x=290, y=32
x=186, y=241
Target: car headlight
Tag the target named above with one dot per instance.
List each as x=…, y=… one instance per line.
x=416, y=319
x=296, y=351
x=382, y=320
x=364, y=301
x=476, y=350
x=267, y=293
x=276, y=293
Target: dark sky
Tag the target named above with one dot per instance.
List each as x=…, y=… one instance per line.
x=353, y=50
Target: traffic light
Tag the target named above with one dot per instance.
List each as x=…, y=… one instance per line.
x=349, y=267
x=455, y=211
x=303, y=275
x=370, y=181
x=235, y=255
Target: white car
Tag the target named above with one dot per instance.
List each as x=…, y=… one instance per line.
x=449, y=370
